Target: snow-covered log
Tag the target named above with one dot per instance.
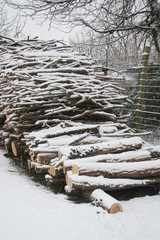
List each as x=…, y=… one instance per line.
x=129, y=156
x=101, y=148
x=105, y=201
x=119, y=170
x=17, y=148
x=107, y=184
x=45, y=157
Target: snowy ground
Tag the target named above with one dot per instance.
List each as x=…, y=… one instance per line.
x=31, y=212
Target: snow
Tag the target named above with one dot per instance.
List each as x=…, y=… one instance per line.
x=29, y=211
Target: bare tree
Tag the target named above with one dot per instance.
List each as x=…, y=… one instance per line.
x=4, y=30
x=108, y=50
x=102, y=16
x=10, y=26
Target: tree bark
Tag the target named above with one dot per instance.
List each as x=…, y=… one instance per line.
x=107, y=184
x=132, y=170
x=129, y=156
x=101, y=148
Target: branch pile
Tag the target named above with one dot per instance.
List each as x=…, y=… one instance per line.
x=63, y=115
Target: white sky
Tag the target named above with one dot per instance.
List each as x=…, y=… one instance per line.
x=60, y=32
x=34, y=28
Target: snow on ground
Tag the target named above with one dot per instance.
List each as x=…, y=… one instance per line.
x=32, y=212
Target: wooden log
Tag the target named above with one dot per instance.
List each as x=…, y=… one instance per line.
x=46, y=150
x=119, y=170
x=105, y=201
x=7, y=144
x=101, y=148
x=155, y=151
x=127, y=135
x=89, y=183
x=29, y=164
x=45, y=157
x=42, y=168
x=17, y=148
x=104, y=116
x=129, y=156
x=32, y=164
x=74, y=130
x=67, y=175
x=55, y=171
x=66, y=140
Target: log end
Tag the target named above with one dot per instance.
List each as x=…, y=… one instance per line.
x=116, y=207
x=105, y=201
x=69, y=182
x=52, y=171
x=75, y=169
x=14, y=146
x=29, y=164
x=59, y=154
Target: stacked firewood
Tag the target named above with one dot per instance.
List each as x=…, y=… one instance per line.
x=42, y=81
x=63, y=115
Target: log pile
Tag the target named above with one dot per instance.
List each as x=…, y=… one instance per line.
x=63, y=117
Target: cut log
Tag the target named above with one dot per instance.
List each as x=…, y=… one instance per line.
x=45, y=157
x=129, y=156
x=55, y=171
x=104, y=116
x=42, y=168
x=119, y=170
x=105, y=201
x=66, y=140
x=107, y=184
x=67, y=175
x=101, y=148
x=46, y=150
x=52, y=171
x=29, y=164
x=8, y=147
x=74, y=130
x=155, y=151
x=17, y=148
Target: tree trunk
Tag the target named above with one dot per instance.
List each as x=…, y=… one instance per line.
x=155, y=17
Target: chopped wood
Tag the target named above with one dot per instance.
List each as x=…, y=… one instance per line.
x=57, y=103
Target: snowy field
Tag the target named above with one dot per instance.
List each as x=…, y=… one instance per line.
x=32, y=212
